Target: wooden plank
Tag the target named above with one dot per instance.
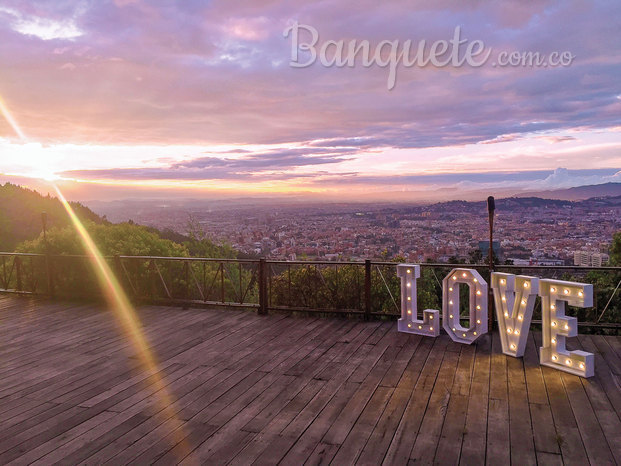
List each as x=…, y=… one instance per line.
x=498, y=440
x=474, y=440
x=431, y=427
x=408, y=428
x=520, y=428
x=610, y=382
x=448, y=449
x=568, y=435
x=544, y=432
x=356, y=439
x=593, y=438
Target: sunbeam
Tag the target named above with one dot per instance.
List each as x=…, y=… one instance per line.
x=9, y=118
x=124, y=311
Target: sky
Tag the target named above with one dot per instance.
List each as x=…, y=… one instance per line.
x=137, y=98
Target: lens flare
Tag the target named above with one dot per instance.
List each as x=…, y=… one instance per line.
x=9, y=118
x=118, y=301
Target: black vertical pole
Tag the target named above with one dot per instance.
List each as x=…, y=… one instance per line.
x=262, y=286
x=367, y=289
x=491, y=207
x=48, y=262
x=186, y=289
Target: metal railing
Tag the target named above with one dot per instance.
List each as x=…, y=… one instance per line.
x=367, y=288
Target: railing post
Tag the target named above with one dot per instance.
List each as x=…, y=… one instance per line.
x=18, y=272
x=186, y=290
x=222, y=297
x=50, y=277
x=262, y=286
x=367, y=289
x=48, y=259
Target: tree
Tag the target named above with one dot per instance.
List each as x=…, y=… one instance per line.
x=111, y=239
x=74, y=276
x=476, y=256
x=20, y=214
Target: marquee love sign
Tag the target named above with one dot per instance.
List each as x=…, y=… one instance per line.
x=514, y=299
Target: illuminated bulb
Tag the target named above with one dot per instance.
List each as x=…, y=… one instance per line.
x=581, y=365
x=520, y=317
x=568, y=362
x=478, y=321
x=553, y=340
x=525, y=285
x=512, y=346
x=450, y=302
x=554, y=358
x=566, y=327
x=566, y=291
x=552, y=306
x=451, y=316
x=478, y=307
x=552, y=289
x=410, y=312
x=504, y=299
x=463, y=334
x=502, y=281
x=420, y=327
x=454, y=277
x=409, y=298
x=553, y=323
x=409, y=271
x=431, y=328
x=580, y=293
x=409, y=325
x=516, y=332
x=451, y=289
x=453, y=329
x=509, y=330
x=430, y=317
x=506, y=314
x=475, y=280
x=409, y=285
x=523, y=301
x=463, y=274
x=479, y=292
x=475, y=333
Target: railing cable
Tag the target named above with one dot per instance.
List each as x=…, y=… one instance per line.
x=387, y=288
x=608, y=303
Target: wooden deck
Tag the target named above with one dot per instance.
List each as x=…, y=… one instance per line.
x=270, y=389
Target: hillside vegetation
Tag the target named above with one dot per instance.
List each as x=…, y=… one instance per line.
x=21, y=230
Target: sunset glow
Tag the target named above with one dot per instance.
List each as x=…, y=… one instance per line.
x=199, y=100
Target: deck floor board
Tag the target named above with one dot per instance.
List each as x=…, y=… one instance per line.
x=233, y=387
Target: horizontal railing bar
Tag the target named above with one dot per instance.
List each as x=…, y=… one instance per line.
x=198, y=259
x=311, y=262
x=313, y=309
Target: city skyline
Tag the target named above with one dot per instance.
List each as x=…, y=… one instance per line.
x=199, y=99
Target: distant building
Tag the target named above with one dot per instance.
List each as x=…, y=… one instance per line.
x=484, y=247
x=590, y=259
x=551, y=262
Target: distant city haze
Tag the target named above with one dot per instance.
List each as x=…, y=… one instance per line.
x=134, y=99
x=528, y=230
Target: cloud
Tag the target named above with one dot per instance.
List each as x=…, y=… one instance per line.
x=564, y=178
x=216, y=72
x=268, y=165
x=44, y=28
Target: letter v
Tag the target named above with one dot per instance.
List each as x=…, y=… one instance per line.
x=514, y=299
